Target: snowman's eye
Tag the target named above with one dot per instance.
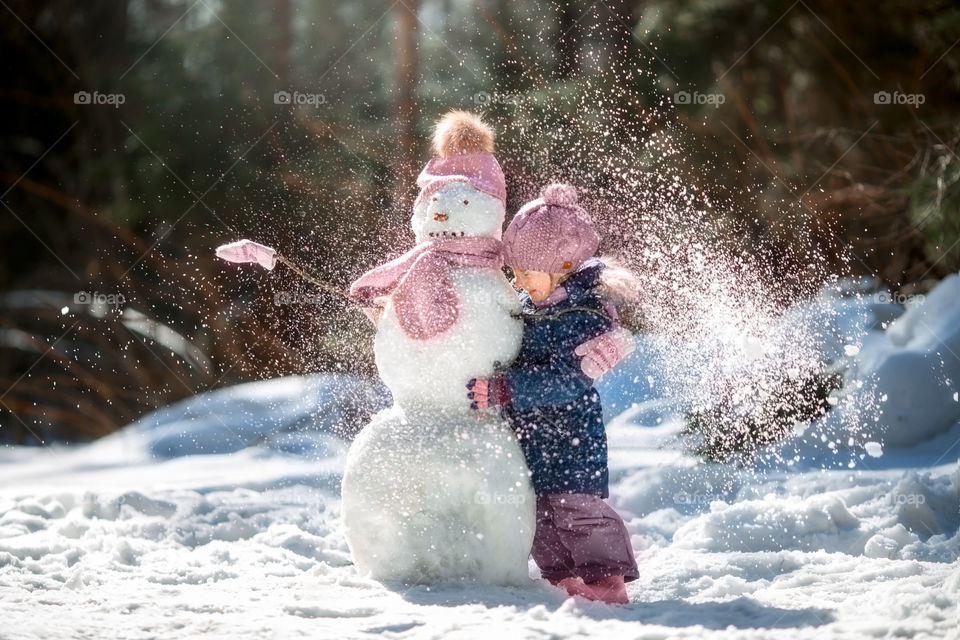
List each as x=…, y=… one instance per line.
x=466, y=202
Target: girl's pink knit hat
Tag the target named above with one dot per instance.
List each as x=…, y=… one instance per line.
x=552, y=234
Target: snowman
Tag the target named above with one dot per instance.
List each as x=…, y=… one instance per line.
x=433, y=490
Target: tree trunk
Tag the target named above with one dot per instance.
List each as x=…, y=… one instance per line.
x=623, y=53
x=406, y=106
x=567, y=43
x=283, y=44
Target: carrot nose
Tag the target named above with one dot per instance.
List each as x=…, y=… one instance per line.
x=440, y=217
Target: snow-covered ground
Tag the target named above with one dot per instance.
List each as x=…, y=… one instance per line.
x=142, y=535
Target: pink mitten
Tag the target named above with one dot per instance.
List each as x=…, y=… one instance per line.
x=248, y=251
x=488, y=392
x=603, y=353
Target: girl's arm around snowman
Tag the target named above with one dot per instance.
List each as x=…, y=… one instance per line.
x=553, y=376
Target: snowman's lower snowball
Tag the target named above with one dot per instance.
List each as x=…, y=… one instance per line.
x=436, y=496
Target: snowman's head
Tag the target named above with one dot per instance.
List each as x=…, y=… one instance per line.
x=455, y=210
x=462, y=188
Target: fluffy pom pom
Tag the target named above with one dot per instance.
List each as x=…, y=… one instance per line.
x=560, y=194
x=460, y=132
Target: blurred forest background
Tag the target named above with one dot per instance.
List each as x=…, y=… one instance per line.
x=139, y=134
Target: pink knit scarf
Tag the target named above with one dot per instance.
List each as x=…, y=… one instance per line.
x=419, y=281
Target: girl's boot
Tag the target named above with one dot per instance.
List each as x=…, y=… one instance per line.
x=612, y=590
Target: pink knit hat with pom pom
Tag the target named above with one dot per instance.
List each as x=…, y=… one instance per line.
x=463, y=144
x=552, y=234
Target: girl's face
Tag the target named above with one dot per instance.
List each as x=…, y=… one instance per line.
x=538, y=284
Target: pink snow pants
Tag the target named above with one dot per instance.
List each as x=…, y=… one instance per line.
x=580, y=535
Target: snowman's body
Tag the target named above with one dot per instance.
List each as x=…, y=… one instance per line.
x=433, y=490
x=434, y=373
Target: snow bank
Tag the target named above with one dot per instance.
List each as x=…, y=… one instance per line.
x=833, y=322
x=913, y=369
x=230, y=546
x=892, y=514
x=296, y=414
x=131, y=537
x=773, y=523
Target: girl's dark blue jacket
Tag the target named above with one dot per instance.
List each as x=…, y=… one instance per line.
x=553, y=406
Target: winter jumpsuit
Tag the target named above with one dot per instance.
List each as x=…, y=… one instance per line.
x=556, y=413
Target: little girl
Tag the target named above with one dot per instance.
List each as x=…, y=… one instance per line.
x=580, y=544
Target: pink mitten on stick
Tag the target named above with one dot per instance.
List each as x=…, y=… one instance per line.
x=603, y=353
x=248, y=251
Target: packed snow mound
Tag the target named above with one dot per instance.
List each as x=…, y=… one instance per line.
x=774, y=523
x=913, y=369
x=927, y=505
x=297, y=414
x=840, y=316
x=903, y=515
x=438, y=496
x=832, y=323
x=930, y=321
